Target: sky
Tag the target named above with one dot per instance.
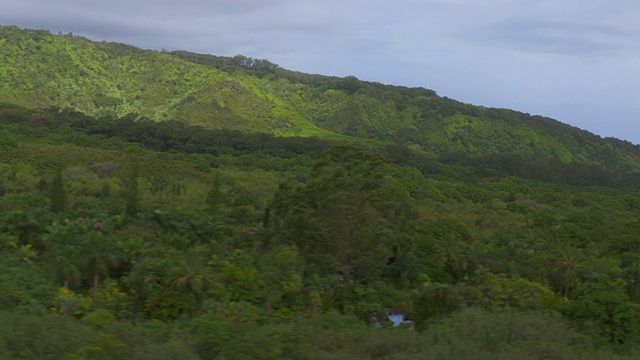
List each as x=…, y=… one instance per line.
x=577, y=61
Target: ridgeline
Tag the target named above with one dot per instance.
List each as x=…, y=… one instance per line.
x=110, y=80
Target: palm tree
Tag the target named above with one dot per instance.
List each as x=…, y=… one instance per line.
x=190, y=270
x=567, y=261
x=65, y=264
x=455, y=255
x=64, y=253
x=100, y=252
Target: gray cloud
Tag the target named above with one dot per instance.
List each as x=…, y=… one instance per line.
x=553, y=37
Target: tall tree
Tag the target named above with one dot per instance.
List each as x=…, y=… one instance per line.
x=342, y=219
x=281, y=273
x=214, y=196
x=132, y=201
x=58, y=193
x=189, y=270
x=100, y=252
x=62, y=246
x=455, y=254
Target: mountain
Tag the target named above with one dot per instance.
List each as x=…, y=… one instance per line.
x=110, y=80
x=178, y=205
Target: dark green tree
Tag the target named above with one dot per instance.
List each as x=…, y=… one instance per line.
x=214, y=196
x=189, y=270
x=433, y=301
x=62, y=244
x=605, y=311
x=132, y=196
x=100, y=252
x=344, y=218
x=58, y=193
x=281, y=273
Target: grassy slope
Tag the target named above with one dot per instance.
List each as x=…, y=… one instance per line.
x=42, y=70
x=38, y=69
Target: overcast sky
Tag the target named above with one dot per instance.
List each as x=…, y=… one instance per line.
x=577, y=61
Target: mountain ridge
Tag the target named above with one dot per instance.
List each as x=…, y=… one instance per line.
x=110, y=80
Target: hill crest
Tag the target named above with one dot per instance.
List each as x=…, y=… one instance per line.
x=109, y=80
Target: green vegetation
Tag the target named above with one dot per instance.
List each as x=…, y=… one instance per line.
x=108, y=80
x=279, y=211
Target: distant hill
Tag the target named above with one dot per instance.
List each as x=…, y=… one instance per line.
x=110, y=80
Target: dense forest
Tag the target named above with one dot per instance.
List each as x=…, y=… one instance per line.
x=295, y=213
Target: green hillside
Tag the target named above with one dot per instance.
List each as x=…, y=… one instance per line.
x=107, y=80
x=138, y=239
x=185, y=206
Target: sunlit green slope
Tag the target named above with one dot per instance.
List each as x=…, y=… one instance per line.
x=38, y=69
